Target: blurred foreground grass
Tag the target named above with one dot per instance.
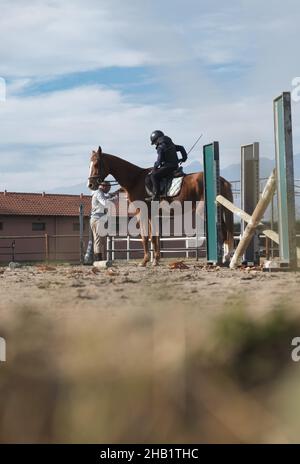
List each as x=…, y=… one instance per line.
x=163, y=377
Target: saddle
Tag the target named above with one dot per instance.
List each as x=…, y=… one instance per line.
x=170, y=186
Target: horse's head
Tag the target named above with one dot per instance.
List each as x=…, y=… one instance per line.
x=98, y=170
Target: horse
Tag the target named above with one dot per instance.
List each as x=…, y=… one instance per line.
x=132, y=179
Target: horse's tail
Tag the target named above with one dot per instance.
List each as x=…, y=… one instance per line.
x=228, y=215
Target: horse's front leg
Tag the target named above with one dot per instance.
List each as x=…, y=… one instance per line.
x=145, y=241
x=156, y=248
x=146, y=259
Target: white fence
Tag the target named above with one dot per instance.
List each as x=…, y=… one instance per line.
x=191, y=245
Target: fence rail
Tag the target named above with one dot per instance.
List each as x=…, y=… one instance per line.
x=191, y=247
x=47, y=248
x=112, y=250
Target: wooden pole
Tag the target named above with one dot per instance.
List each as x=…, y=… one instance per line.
x=81, y=217
x=256, y=217
x=247, y=218
x=128, y=248
x=267, y=248
x=47, y=248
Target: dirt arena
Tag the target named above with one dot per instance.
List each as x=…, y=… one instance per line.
x=130, y=354
x=64, y=291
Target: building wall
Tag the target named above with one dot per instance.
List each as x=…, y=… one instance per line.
x=60, y=248
x=33, y=247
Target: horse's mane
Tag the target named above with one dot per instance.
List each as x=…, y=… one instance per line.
x=123, y=161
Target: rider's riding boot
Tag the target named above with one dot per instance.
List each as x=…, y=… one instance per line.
x=154, y=197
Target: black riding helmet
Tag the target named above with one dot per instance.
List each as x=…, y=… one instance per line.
x=155, y=136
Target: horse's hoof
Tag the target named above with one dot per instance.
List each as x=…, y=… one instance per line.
x=225, y=264
x=144, y=263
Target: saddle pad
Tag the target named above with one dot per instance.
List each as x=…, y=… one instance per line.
x=174, y=187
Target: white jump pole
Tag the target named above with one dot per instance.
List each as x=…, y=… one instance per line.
x=256, y=217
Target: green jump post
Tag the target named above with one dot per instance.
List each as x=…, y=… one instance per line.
x=211, y=169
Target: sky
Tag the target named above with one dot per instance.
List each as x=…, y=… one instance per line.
x=84, y=73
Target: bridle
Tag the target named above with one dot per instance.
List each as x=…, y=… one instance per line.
x=100, y=178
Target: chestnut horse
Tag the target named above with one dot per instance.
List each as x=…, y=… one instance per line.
x=132, y=179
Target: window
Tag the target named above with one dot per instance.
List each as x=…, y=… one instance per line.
x=38, y=226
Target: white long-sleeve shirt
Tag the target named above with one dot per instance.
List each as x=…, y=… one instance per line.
x=100, y=201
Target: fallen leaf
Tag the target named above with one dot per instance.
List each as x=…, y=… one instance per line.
x=95, y=270
x=45, y=267
x=112, y=273
x=178, y=265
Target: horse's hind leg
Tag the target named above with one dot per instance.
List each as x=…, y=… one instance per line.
x=226, y=252
x=227, y=237
x=227, y=222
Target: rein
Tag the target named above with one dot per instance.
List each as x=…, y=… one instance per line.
x=99, y=178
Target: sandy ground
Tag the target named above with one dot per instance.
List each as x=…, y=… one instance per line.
x=64, y=291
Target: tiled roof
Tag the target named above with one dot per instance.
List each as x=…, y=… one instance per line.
x=49, y=204
x=43, y=204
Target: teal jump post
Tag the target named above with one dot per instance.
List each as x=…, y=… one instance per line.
x=211, y=170
x=285, y=180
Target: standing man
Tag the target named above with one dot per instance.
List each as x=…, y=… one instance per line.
x=100, y=200
x=167, y=160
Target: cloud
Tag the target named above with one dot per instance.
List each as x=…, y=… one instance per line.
x=216, y=67
x=62, y=36
x=56, y=37
x=51, y=136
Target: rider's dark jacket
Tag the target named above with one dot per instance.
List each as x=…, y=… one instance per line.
x=167, y=153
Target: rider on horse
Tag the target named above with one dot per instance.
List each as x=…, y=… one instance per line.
x=167, y=160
